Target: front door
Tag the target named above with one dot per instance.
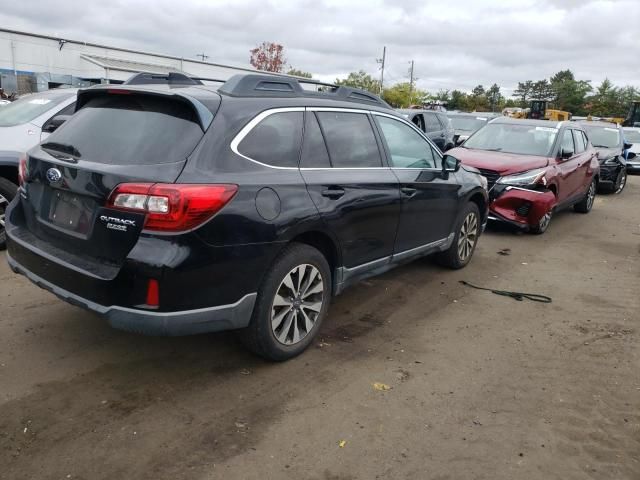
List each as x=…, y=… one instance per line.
x=429, y=201
x=570, y=183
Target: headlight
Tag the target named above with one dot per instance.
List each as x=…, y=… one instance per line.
x=532, y=177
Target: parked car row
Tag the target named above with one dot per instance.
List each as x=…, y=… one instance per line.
x=171, y=207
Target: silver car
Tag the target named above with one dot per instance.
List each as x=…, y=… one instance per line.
x=632, y=136
x=23, y=124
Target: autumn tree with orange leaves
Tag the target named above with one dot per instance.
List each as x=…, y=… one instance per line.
x=268, y=57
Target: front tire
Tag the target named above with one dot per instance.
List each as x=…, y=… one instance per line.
x=292, y=302
x=543, y=224
x=459, y=254
x=621, y=181
x=8, y=191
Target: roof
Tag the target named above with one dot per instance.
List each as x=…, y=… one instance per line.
x=587, y=123
x=128, y=65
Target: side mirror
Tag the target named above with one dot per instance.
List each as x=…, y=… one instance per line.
x=53, y=124
x=564, y=153
x=450, y=163
x=627, y=146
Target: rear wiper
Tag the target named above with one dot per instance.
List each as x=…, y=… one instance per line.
x=62, y=148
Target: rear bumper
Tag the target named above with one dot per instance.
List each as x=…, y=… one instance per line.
x=187, y=322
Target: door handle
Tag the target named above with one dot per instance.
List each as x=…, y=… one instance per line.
x=408, y=191
x=442, y=135
x=333, y=192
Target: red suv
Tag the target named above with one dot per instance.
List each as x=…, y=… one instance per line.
x=533, y=168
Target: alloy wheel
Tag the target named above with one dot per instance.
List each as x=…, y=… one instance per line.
x=622, y=180
x=545, y=221
x=3, y=207
x=297, y=304
x=591, y=195
x=468, y=236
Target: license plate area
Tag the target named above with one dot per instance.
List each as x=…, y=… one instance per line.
x=71, y=212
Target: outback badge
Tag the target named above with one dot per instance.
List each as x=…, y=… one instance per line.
x=115, y=223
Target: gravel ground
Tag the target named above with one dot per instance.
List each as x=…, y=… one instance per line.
x=480, y=386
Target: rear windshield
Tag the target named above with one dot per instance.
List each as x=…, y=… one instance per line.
x=604, y=137
x=468, y=124
x=129, y=130
x=29, y=107
x=521, y=139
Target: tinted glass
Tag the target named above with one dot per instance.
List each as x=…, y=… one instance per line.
x=517, y=138
x=418, y=121
x=578, y=141
x=567, y=141
x=131, y=129
x=350, y=139
x=275, y=140
x=632, y=136
x=31, y=106
x=433, y=125
x=607, y=137
x=314, y=150
x=407, y=148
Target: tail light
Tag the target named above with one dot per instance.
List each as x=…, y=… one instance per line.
x=172, y=207
x=22, y=170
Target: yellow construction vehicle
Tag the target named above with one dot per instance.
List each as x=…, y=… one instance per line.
x=538, y=110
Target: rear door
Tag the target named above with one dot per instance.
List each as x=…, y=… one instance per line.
x=357, y=197
x=434, y=130
x=584, y=156
x=429, y=202
x=114, y=138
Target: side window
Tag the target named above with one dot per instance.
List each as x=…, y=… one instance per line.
x=567, y=141
x=444, y=121
x=406, y=146
x=418, y=121
x=578, y=140
x=275, y=140
x=350, y=140
x=433, y=125
x=68, y=110
x=585, y=140
x=314, y=150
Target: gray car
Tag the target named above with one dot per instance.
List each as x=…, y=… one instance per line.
x=434, y=124
x=23, y=124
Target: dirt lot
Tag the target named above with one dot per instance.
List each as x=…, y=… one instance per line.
x=482, y=386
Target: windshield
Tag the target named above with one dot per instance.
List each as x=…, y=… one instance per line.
x=511, y=138
x=632, y=136
x=604, y=136
x=30, y=107
x=129, y=130
x=469, y=124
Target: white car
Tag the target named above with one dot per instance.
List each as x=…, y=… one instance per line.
x=4, y=102
x=23, y=124
x=632, y=136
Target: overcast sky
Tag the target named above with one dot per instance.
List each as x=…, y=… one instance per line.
x=455, y=44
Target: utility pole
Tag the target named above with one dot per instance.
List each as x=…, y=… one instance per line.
x=411, y=82
x=202, y=55
x=381, y=61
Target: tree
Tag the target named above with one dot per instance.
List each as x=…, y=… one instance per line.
x=478, y=99
x=458, y=100
x=401, y=95
x=494, y=97
x=523, y=92
x=361, y=80
x=269, y=57
x=569, y=94
x=541, y=90
x=299, y=73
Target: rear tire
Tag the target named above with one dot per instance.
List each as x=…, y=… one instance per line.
x=586, y=204
x=292, y=302
x=8, y=191
x=467, y=231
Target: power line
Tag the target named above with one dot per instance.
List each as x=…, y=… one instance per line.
x=202, y=55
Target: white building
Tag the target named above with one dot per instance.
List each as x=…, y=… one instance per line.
x=31, y=62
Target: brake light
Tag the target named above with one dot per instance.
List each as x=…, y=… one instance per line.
x=118, y=91
x=22, y=170
x=172, y=207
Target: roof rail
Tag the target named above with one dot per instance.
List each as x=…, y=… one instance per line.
x=260, y=85
x=171, y=78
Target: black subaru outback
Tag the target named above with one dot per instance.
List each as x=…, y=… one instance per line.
x=185, y=209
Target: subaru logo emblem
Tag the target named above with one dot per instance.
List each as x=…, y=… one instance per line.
x=54, y=175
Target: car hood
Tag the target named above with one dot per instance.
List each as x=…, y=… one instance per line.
x=19, y=138
x=635, y=148
x=605, y=153
x=504, y=163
